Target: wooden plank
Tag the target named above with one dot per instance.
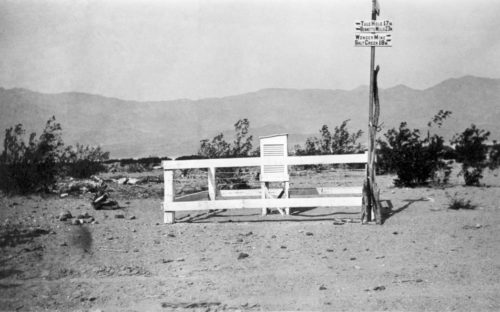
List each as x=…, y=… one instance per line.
x=258, y=161
x=357, y=190
x=328, y=159
x=212, y=187
x=259, y=203
x=169, y=193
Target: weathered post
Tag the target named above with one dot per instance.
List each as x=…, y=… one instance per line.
x=168, y=177
x=371, y=34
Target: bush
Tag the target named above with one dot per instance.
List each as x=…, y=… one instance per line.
x=219, y=148
x=341, y=141
x=472, y=153
x=34, y=166
x=415, y=160
x=456, y=203
x=84, y=161
x=494, y=156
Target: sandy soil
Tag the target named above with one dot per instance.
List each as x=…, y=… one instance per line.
x=424, y=257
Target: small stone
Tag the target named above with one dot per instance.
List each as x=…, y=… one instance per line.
x=330, y=250
x=242, y=255
x=170, y=235
x=119, y=216
x=395, y=233
x=65, y=215
x=131, y=218
x=283, y=247
x=80, y=216
x=86, y=215
x=352, y=258
x=76, y=222
x=379, y=288
x=136, y=250
x=419, y=280
x=63, y=195
x=309, y=234
x=239, y=240
x=64, y=244
x=274, y=236
x=322, y=287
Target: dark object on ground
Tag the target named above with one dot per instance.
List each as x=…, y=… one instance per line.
x=242, y=255
x=101, y=201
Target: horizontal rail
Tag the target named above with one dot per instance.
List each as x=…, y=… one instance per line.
x=258, y=161
x=353, y=190
x=259, y=203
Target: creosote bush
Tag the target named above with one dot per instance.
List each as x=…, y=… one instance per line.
x=471, y=152
x=35, y=165
x=242, y=146
x=415, y=159
x=32, y=166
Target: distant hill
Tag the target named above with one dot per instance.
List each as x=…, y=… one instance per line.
x=174, y=128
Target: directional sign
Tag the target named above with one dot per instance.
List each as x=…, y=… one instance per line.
x=372, y=40
x=373, y=26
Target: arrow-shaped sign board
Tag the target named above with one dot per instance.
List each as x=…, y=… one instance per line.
x=372, y=40
x=373, y=26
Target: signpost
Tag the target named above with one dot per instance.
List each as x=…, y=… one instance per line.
x=373, y=40
x=372, y=34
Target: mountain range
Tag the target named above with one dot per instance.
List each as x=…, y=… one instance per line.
x=174, y=128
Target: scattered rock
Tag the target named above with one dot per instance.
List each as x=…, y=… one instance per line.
x=64, y=195
x=166, y=260
x=131, y=218
x=132, y=181
x=379, y=288
x=121, y=180
x=242, y=255
x=65, y=215
x=76, y=222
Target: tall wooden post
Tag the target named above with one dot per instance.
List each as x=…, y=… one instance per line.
x=371, y=143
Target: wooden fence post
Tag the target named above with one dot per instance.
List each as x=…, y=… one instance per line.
x=168, y=216
x=212, y=184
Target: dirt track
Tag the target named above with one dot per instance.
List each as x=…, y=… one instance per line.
x=425, y=257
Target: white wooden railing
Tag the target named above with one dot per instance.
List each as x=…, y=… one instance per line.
x=353, y=195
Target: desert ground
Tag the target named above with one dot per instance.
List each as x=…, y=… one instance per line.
x=424, y=257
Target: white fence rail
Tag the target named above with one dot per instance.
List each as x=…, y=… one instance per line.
x=347, y=196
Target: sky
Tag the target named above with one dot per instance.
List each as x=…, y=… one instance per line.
x=171, y=49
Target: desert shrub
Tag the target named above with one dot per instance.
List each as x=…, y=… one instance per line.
x=494, y=156
x=218, y=147
x=471, y=152
x=84, y=161
x=341, y=141
x=456, y=203
x=32, y=166
x=414, y=159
